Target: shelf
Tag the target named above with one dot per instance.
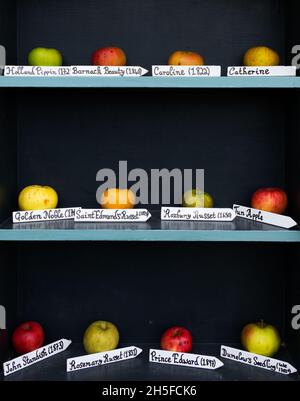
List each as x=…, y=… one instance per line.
x=150, y=82
x=155, y=230
x=140, y=369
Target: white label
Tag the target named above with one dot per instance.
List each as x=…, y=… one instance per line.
x=102, y=358
x=273, y=71
x=112, y=215
x=264, y=217
x=35, y=356
x=197, y=214
x=33, y=216
x=259, y=361
x=177, y=71
x=33, y=71
x=184, y=359
x=107, y=71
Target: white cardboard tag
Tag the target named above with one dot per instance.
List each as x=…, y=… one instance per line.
x=102, y=358
x=184, y=359
x=259, y=361
x=33, y=71
x=112, y=215
x=197, y=214
x=34, y=216
x=36, y=356
x=107, y=71
x=264, y=217
x=272, y=71
x=177, y=71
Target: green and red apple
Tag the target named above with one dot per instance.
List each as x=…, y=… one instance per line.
x=272, y=200
x=44, y=57
x=100, y=336
x=261, y=338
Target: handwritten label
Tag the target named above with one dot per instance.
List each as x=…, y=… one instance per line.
x=102, y=358
x=30, y=71
x=36, y=356
x=259, y=361
x=264, y=217
x=112, y=215
x=273, y=71
x=177, y=71
x=74, y=71
x=183, y=359
x=197, y=214
x=105, y=71
x=32, y=216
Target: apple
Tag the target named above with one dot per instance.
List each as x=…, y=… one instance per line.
x=261, y=56
x=115, y=198
x=100, y=336
x=272, y=200
x=261, y=338
x=197, y=198
x=109, y=56
x=28, y=337
x=185, y=58
x=177, y=339
x=44, y=57
x=38, y=197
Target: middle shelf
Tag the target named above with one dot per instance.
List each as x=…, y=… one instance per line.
x=239, y=230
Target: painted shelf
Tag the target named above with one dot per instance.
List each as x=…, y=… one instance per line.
x=140, y=369
x=154, y=230
x=150, y=82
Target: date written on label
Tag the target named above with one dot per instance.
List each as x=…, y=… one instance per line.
x=184, y=359
x=197, y=214
x=174, y=71
x=36, y=356
x=32, y=216
x=259, y=361
x=102, y=358
x=112, y=216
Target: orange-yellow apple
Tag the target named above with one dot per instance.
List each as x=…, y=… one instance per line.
x=115, y=198
x=100, y=336
x=109, y=56
x=185, y=58
x=261, y=338
x=272, y=200
x=261, y=56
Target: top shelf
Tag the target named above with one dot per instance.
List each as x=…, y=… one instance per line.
x=151, y=82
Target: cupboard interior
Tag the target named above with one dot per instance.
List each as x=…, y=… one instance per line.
x=214, y=290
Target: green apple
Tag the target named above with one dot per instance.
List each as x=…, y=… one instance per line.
x=44, y=57
x=197, y=198
x=261, y=338
x=100, y=336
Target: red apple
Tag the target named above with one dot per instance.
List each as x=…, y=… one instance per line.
x=28, y=337
x=111, y=56
x=177, y=339
x=272, y=200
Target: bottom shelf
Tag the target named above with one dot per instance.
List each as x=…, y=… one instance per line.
x=140, y=369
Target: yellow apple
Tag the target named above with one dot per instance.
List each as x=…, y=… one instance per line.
x=100, y=336
x=261, y=338
x=197, y=198
x=38, y=197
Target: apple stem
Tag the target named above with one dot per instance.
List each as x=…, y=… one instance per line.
x=262, y=323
